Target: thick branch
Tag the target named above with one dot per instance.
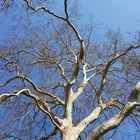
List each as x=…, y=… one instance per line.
x=90, y=118
x=94, y=115
x=68, y=103
x=41, y=104
x=34, y=86
x=83, y=84
x=114, y=122
x=118, y=118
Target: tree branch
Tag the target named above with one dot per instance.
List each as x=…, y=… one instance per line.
x=62, y=71
x=107, y=66
x=44, y=9
x=35, y=87
x=94, y=115
x=90, y=118
x=66, y=9
x=115, y=121
x=83, y=84
x=72, y=26
x=41, y=104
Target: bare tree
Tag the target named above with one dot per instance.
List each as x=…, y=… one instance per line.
x=67, y=81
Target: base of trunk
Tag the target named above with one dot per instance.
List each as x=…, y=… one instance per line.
x=69, y=134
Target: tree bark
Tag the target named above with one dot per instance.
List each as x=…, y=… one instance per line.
x=70, y=134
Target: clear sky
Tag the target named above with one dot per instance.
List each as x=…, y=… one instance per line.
x=124, y=14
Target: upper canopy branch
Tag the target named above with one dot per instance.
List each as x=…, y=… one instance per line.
x=71, y=25
x=44, y=9
x=107, y=66
x=66, y=9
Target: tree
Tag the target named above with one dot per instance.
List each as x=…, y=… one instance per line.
x=66, y=81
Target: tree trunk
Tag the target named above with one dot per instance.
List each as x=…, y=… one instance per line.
x=69, y=134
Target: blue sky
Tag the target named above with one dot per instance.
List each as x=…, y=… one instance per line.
x=123, y=14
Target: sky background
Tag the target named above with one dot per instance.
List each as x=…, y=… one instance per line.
x=123, y=14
